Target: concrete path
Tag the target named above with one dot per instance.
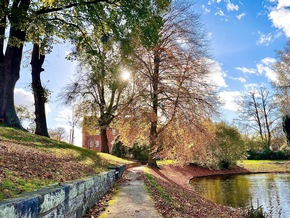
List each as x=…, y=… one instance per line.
x=132, y=199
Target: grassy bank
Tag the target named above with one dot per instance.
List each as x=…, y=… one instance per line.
x=29, y=162
x=267, y=166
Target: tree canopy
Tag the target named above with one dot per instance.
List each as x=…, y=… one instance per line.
x=38, y=20
x=170, y=77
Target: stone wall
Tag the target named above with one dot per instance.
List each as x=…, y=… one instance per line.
x=68, y=200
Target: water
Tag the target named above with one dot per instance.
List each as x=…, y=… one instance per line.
x=271, y=191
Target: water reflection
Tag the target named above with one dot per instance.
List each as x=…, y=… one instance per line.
x=272, y=191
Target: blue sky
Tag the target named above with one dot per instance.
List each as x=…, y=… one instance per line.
x=244, y=35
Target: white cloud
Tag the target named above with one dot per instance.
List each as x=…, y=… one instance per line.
x=251, y=86
x=280, y=16
x=213, y=1
x=283, y=4
x=239, y=17
x=241, y=79
x=22, y=97
x=220, y=13
x=209, y=35
x=232, y=7
x=264, y=39
x=230, y=100
x=246, y=70
x=265, y=67
x=217, y=75
x=205, y=9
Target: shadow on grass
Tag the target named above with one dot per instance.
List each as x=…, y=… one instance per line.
x=24, y=138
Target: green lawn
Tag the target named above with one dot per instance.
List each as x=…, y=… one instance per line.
x=266, y=165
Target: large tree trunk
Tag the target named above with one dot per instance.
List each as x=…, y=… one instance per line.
x=40, y=97
x=11, y=60
x=9, y=75
x=104, y=141
x=153, y=144
x=286, y=127
x=154, y=98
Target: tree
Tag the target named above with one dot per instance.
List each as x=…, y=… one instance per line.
x=286, y=127
x=22, y=16
x=23, y=113
x=58, y=134
x=40, y=93
x=73, y=120
x=282, y=85
x=98, y=82
x=259, y=113
x=98, y=87
x=171, y=77
x=228, y=146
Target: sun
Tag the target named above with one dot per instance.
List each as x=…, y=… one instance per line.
x=125, y=75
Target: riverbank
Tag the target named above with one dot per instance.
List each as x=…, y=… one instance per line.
x=173, y=181
x=180, y=175
x=169, y=187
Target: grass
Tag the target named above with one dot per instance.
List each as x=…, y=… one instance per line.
x=166, y=162
x=13, y=185
x=265, y=166
x=29, y=162
x=158, y=188
x=114, y=159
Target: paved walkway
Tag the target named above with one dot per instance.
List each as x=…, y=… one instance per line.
x=131, y=200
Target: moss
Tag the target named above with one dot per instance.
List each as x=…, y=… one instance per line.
x=13, y=185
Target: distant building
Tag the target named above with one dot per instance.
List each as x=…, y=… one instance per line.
x=92, y=138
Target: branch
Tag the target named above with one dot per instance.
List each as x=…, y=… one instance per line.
x=76, y=27
x=46, y=10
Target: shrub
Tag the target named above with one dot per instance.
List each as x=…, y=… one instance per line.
x=228, y=146
x=256, y=212
x=140, y=152
x=268, y=155
x=119, y=149
x=224, y=164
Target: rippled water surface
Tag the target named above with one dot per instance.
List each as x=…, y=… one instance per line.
x=272, y=191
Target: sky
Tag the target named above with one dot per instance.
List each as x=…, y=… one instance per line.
x=244, y=38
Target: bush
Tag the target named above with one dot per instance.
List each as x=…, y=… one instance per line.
x=224, y=164
x=140, y=153
x=119, y=149
x=256, y=212
x=228, y=146
x=268, y=155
